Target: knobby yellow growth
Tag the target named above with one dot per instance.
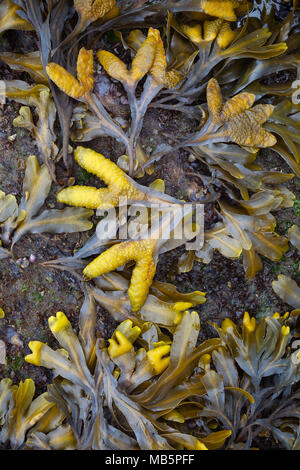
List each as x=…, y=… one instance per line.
x=159, y=72
x=249, y=323
x=225, y=36
x=139, y=251
x=218, y=30
x=140, y=66
x=159, y=358
x=150, y=57
x=221, y=9
x=92, y=198
x=238, y=120
x=123, y=338
x=58, y=323
x=94, y=9
x=225, y=9
x=35, y=356
x=118, y=345
x=76, y=88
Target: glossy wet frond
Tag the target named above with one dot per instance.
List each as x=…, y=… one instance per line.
x=230, y=68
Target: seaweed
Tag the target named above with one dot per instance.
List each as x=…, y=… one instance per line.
x=153, y=385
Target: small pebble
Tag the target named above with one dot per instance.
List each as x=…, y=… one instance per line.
x=16, y=341
x=32, y=258
x=23, y=262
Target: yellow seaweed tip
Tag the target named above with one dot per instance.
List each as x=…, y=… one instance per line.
x=179, y=308
x=118, y=345
x=2, y=313
x=159, y=359
x=58, y=323
x=129, y=331
x=200, y=446
x=35, y=356
x=227, y=324
x=205, y=360
x=175, y=416
x=249, y=323
x=285, y=330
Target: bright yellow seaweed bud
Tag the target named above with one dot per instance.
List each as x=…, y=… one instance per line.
x=2, y=313
x=144, y=57
x=104, y=198
x=277, y=316
x=249, y=323
x=118, y=345
x=140, y=251
x=114, y=66
x=285, y=330
x=221, y=9
x=205, y=361
x=227, y=324
x=85, y=68
x=158, y=70
x=175, y=416
x=69, y=84
x=193, y=32
x=211, y=29
x=58, y=323
x=129, y=331
x=238, y=120
x=65, y=81
x=172, y=78
x=35, y=357
x=214, y=99
x=179, y=308
x=141, y=63
x=225, y=36
x=158, y=358
x=199, y=446
x=94, y=9
x=237, y=104
x=159, y=66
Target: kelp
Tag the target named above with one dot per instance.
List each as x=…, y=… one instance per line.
x=133, y=425
x=30, y=63
x=259, y=350
x=153, y=386
x=41, y=122
x=285, y=287
x=97, y=387
x=247, y=234
x=19, y=219
x=50, y=22
x=19, y=412
x=144, y=243
x=9, y=19
x=288, y=290
x=142, y=390
x=150, y=59
x=54, y=24
x=219, y=49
